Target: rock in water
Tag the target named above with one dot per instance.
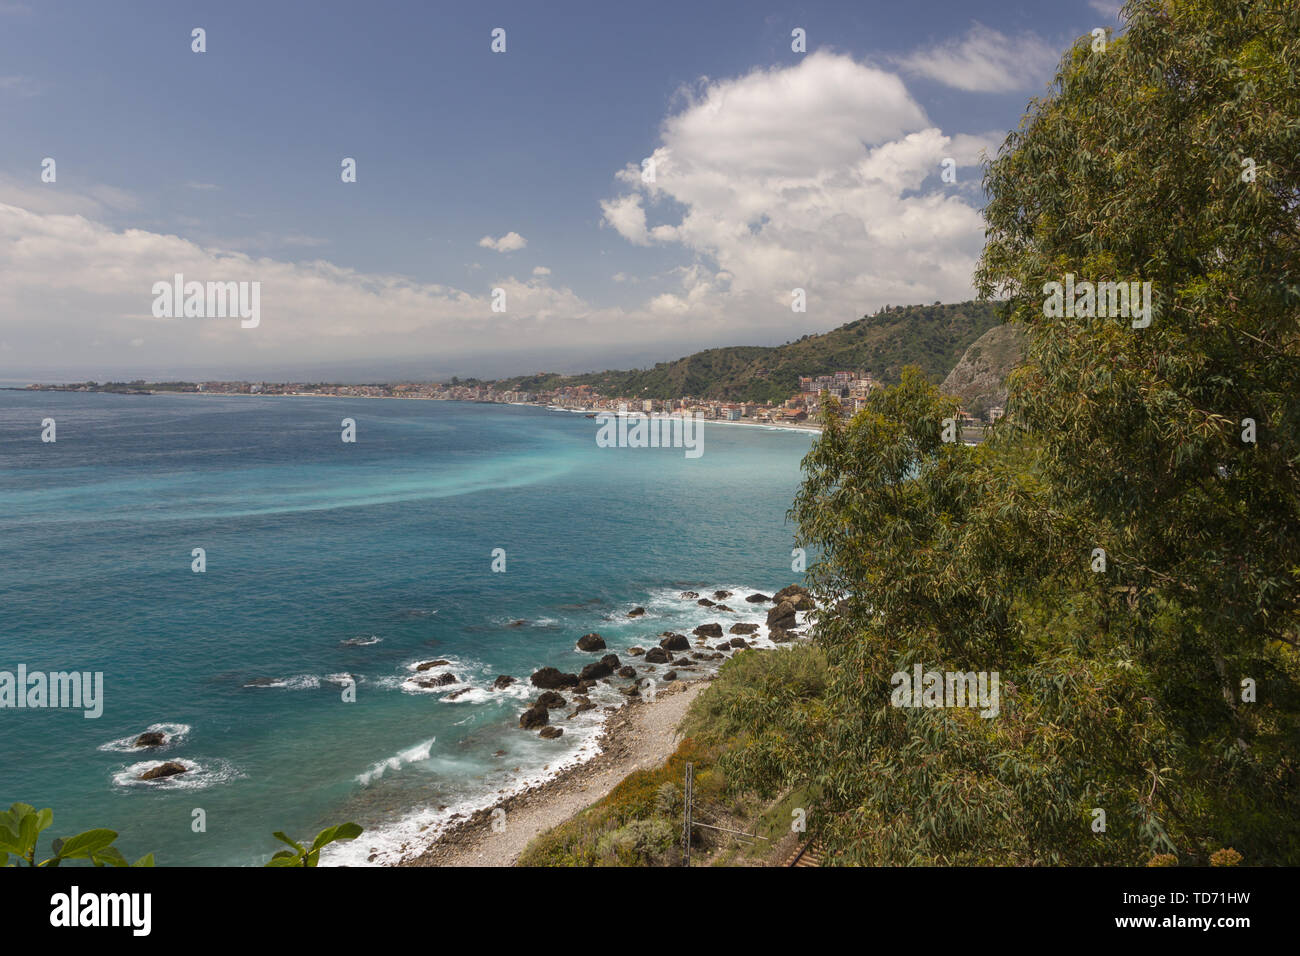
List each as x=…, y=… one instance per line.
x=758, y=599
x=550, y=700
x=636, y=612
x=675, y=642
x=708, y=630
x=743, y=629
x=550, y=733
x=503, y=681
x=151, y=738
x=548, y=678
x=656, y=655
x=591, y=642
x=534, y=716
x=169, y=769
x=602, y=668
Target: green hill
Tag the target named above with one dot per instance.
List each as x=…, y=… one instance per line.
x=932, y=336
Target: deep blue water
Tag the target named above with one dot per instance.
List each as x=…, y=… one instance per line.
x=311, y=542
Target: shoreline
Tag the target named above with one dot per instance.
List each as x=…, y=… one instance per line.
x=638, y=735
x=783, y=426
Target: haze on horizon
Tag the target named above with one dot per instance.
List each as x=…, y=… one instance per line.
x=477, y=170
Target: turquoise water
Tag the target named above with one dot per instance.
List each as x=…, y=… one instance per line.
x=311, y=542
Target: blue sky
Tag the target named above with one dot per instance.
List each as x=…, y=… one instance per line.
x=775, y=169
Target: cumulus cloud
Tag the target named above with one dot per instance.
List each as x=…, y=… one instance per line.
x=987, y=61
x=510, y=242
x=541, y=271
x=821, y=176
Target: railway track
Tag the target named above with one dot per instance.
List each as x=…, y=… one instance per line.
x=810, y=854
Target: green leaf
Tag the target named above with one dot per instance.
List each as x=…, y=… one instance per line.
x=146, y=860
x=283, y=858
x=109, y=855
x=284, y=839
x=9, y=841
x=84, y=844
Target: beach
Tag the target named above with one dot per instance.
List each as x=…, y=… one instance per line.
x=640, y=735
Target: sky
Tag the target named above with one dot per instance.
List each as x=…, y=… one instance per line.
x=523, y=171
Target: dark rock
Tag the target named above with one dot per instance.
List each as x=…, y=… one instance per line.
x=708, y=630
x=458, y=693
x=739, y=642
x=781, y=616
x=534, y=716
x=516, y=624
x=723, y=607
x=675, y=642
x=758, y=598
x=635, y=651
x=601, y=668
x=591, y=642
x=724, y=646
x=580, y=709
x=548, y=678
x=794, y=593
x=704, y=602
x=550, y=700
x=627, y=672
x=779, y=635
x=636, y=612
x=583, y=686
x=151, y=738
x=169, y=769
x=743, y=629
x=681, y=662
x=499, y=753
x=431, y=664
x=550, y=733
x=503, y=681
x=670, y=675
x=656, y=655
x=721, y=595
x=690, y=595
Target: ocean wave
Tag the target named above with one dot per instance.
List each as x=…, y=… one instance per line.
x=410, y=755
x=297, y=682
x=365, y=641
x=174, y=733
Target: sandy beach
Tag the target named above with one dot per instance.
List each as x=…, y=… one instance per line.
x=640, y=734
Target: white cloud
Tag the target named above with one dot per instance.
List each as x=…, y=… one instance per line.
x=510, y=242
x=821, y=176
x=541, y=271
x=1107, y=8
x=986, y=61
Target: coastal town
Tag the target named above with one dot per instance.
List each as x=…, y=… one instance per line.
x=850, y=388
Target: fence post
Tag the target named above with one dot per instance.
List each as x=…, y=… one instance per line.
x=686, y=819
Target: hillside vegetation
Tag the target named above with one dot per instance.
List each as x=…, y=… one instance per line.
x=931, y=336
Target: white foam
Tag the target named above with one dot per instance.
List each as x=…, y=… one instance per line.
x=174, y=733
x=198, y=775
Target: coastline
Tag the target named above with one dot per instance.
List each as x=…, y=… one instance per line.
x=638, y=735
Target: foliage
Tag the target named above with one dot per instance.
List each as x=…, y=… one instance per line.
x=310, y=856
x=1121, y=688
x=20, y=829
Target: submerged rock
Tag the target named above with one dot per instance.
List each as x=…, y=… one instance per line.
x=169, y=769
x=636, y=612
x=429, y=665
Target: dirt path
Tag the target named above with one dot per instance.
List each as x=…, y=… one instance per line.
x=641, y=734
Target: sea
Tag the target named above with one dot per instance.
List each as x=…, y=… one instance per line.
x=281, y=674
